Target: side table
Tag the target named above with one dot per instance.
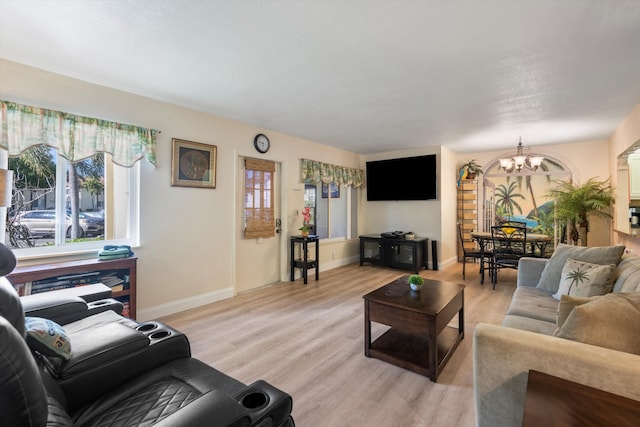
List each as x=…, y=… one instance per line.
x=304, y=262
x=553, y=401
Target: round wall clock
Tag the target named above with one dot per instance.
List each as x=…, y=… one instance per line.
x=261, y=142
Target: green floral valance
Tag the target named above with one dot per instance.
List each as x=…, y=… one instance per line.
x=74, y=137
x=315, y=172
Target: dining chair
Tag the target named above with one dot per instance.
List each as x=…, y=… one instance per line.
x=474, y=254
x=509, y=245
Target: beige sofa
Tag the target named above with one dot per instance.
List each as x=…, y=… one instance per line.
x=503, y=355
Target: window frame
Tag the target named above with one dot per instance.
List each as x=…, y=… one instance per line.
x=350, y=197
x=61, y=247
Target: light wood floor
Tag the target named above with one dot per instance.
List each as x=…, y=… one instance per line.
x=308, y=341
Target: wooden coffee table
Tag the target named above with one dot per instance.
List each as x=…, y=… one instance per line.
x=419, y=339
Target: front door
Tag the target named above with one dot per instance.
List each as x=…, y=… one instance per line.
x=257, y=260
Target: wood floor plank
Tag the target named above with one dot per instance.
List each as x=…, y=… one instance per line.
x=308, y=340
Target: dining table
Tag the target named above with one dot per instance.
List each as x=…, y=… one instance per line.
x=536, y=242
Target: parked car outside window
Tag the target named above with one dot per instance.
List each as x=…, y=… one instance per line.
x=43, y=223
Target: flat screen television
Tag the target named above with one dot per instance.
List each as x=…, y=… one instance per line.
x=407, y=178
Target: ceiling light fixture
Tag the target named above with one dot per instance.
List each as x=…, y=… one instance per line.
x=520, y=161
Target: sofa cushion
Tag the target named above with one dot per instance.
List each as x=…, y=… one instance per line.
x=585, y=279
x=611, y=321
x=527, y=324
x=567, y=304
x=47, y=337
x=533, y=303
x=550, y=278
x=628, y=274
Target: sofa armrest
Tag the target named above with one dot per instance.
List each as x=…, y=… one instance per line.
x=212, y=408
x=530, y=270
x=502, y=358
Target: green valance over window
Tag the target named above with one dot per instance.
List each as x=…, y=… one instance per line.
x=315, y=172
x=74, y=137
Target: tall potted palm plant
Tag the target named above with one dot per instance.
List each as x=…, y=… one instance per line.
x=574, y=204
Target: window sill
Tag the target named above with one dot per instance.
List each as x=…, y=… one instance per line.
x=48, y=254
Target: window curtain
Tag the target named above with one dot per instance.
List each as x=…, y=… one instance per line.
x=74, y=137
x=314, y=172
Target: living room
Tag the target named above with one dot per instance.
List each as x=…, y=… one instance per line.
x=191, y=250
x=205, y=247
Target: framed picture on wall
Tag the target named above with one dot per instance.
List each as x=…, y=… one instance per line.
x=193, y=164
x=335, y=190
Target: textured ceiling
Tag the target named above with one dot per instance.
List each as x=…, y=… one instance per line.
x=366, y=76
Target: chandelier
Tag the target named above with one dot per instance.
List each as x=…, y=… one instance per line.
x=520, y=161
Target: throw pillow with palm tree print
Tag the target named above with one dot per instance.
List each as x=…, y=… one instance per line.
x=585, y=279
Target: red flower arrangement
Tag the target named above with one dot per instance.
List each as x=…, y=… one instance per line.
x=306, y=217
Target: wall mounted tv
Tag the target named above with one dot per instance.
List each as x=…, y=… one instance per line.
x=407, y=178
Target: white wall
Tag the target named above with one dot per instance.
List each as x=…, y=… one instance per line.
x=448, y=244
x=626, y=135
x=422, y=217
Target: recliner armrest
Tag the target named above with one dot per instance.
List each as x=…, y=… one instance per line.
x=56, y=308
x=103, y=345
x=212, y=408
x=68, y=305
x=267, y=405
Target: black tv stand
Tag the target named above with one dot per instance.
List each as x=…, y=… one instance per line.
x=394, y=252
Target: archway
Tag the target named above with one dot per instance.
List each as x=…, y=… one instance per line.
x=521, y=195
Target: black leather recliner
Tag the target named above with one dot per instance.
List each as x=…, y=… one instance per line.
x=122, y=373
x=108, y=349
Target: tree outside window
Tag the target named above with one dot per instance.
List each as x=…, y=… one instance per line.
x=56, y=202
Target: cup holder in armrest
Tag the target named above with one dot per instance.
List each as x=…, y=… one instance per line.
x=159, y=335
x=157, y=331
x=266, y=404
x=99, y=303
x=147, y=327
x=255, y=400
x=98, y=306
x=154, y=330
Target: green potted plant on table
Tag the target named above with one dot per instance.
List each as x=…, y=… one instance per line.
x=415, y=282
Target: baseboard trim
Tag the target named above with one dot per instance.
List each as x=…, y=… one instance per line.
x=339, y=263
x=448, y=262
x=173, y=307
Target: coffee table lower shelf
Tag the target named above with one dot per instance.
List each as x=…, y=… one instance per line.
x=412, y=352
